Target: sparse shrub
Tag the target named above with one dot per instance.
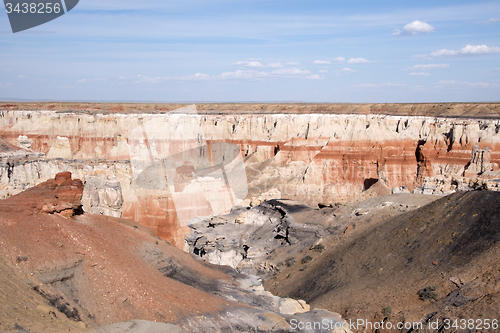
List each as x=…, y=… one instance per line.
x=156, y=242
x=304, y=268
x=387, y=311
x=135, y=227
x=290, y=262
x=428, y=293
x=289, y=274
x=306, y=259
x=318, y=247
x=168, y=242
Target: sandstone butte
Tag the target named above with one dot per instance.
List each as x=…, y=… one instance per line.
x=162, y=166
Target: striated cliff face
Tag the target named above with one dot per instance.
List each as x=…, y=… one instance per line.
x=162, y=170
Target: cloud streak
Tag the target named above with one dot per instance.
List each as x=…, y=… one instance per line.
x=359, y=61
x=420, y=74
x=466, y=50
x=322, y=62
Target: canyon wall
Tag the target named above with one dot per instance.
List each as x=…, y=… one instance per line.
x=162, y=170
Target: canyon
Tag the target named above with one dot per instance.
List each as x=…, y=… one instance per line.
x=62, y=269
x=247, y=217
x=162, y=168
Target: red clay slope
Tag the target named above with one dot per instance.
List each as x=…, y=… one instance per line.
x=97, y=269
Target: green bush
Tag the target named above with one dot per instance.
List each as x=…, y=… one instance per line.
x=306, y=259
x=428, y=293
x=387, y=311
x=318, y=247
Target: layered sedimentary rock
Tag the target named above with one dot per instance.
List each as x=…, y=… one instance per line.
x=162, y=170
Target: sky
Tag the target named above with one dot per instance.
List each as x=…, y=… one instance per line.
x=257, y=51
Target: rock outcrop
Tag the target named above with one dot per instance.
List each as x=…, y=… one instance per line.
x=172, y=167
x=266, y=239
x=61, y=195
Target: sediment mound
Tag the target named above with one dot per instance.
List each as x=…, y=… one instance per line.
x=438, y=261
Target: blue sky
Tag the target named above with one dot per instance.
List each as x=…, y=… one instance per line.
x=258, y=51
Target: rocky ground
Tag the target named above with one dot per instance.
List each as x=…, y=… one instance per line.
x=62, y=269
x=397, y=258
x=451, y=243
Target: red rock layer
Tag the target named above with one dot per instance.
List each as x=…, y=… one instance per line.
x=60, y=195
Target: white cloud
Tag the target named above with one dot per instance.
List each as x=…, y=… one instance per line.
x=447, y=82
x=258, y=64
x=358, y=61
x=466, y=83
x=414, y=28
x=92, y=80
x=467, y=50
x=329, y=61
x=430, y=66
x=315, y=77
x=492, y=20
x=274, y=65
x=420, y=74
x=253, y=64
x=280, y=72
x=152, y=80
x=290, y=71
x=243, y=74
x=388, y=84
x=136, y=79
x=348, y=70
x=197, y=76
x=322, y=71
x=21, y=77
x=391, y=84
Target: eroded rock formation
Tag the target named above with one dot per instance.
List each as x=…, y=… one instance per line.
x=61, y=195
x=172, y=167
x=94, y=271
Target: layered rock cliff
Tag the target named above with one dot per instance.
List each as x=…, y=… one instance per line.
x=163, y=169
